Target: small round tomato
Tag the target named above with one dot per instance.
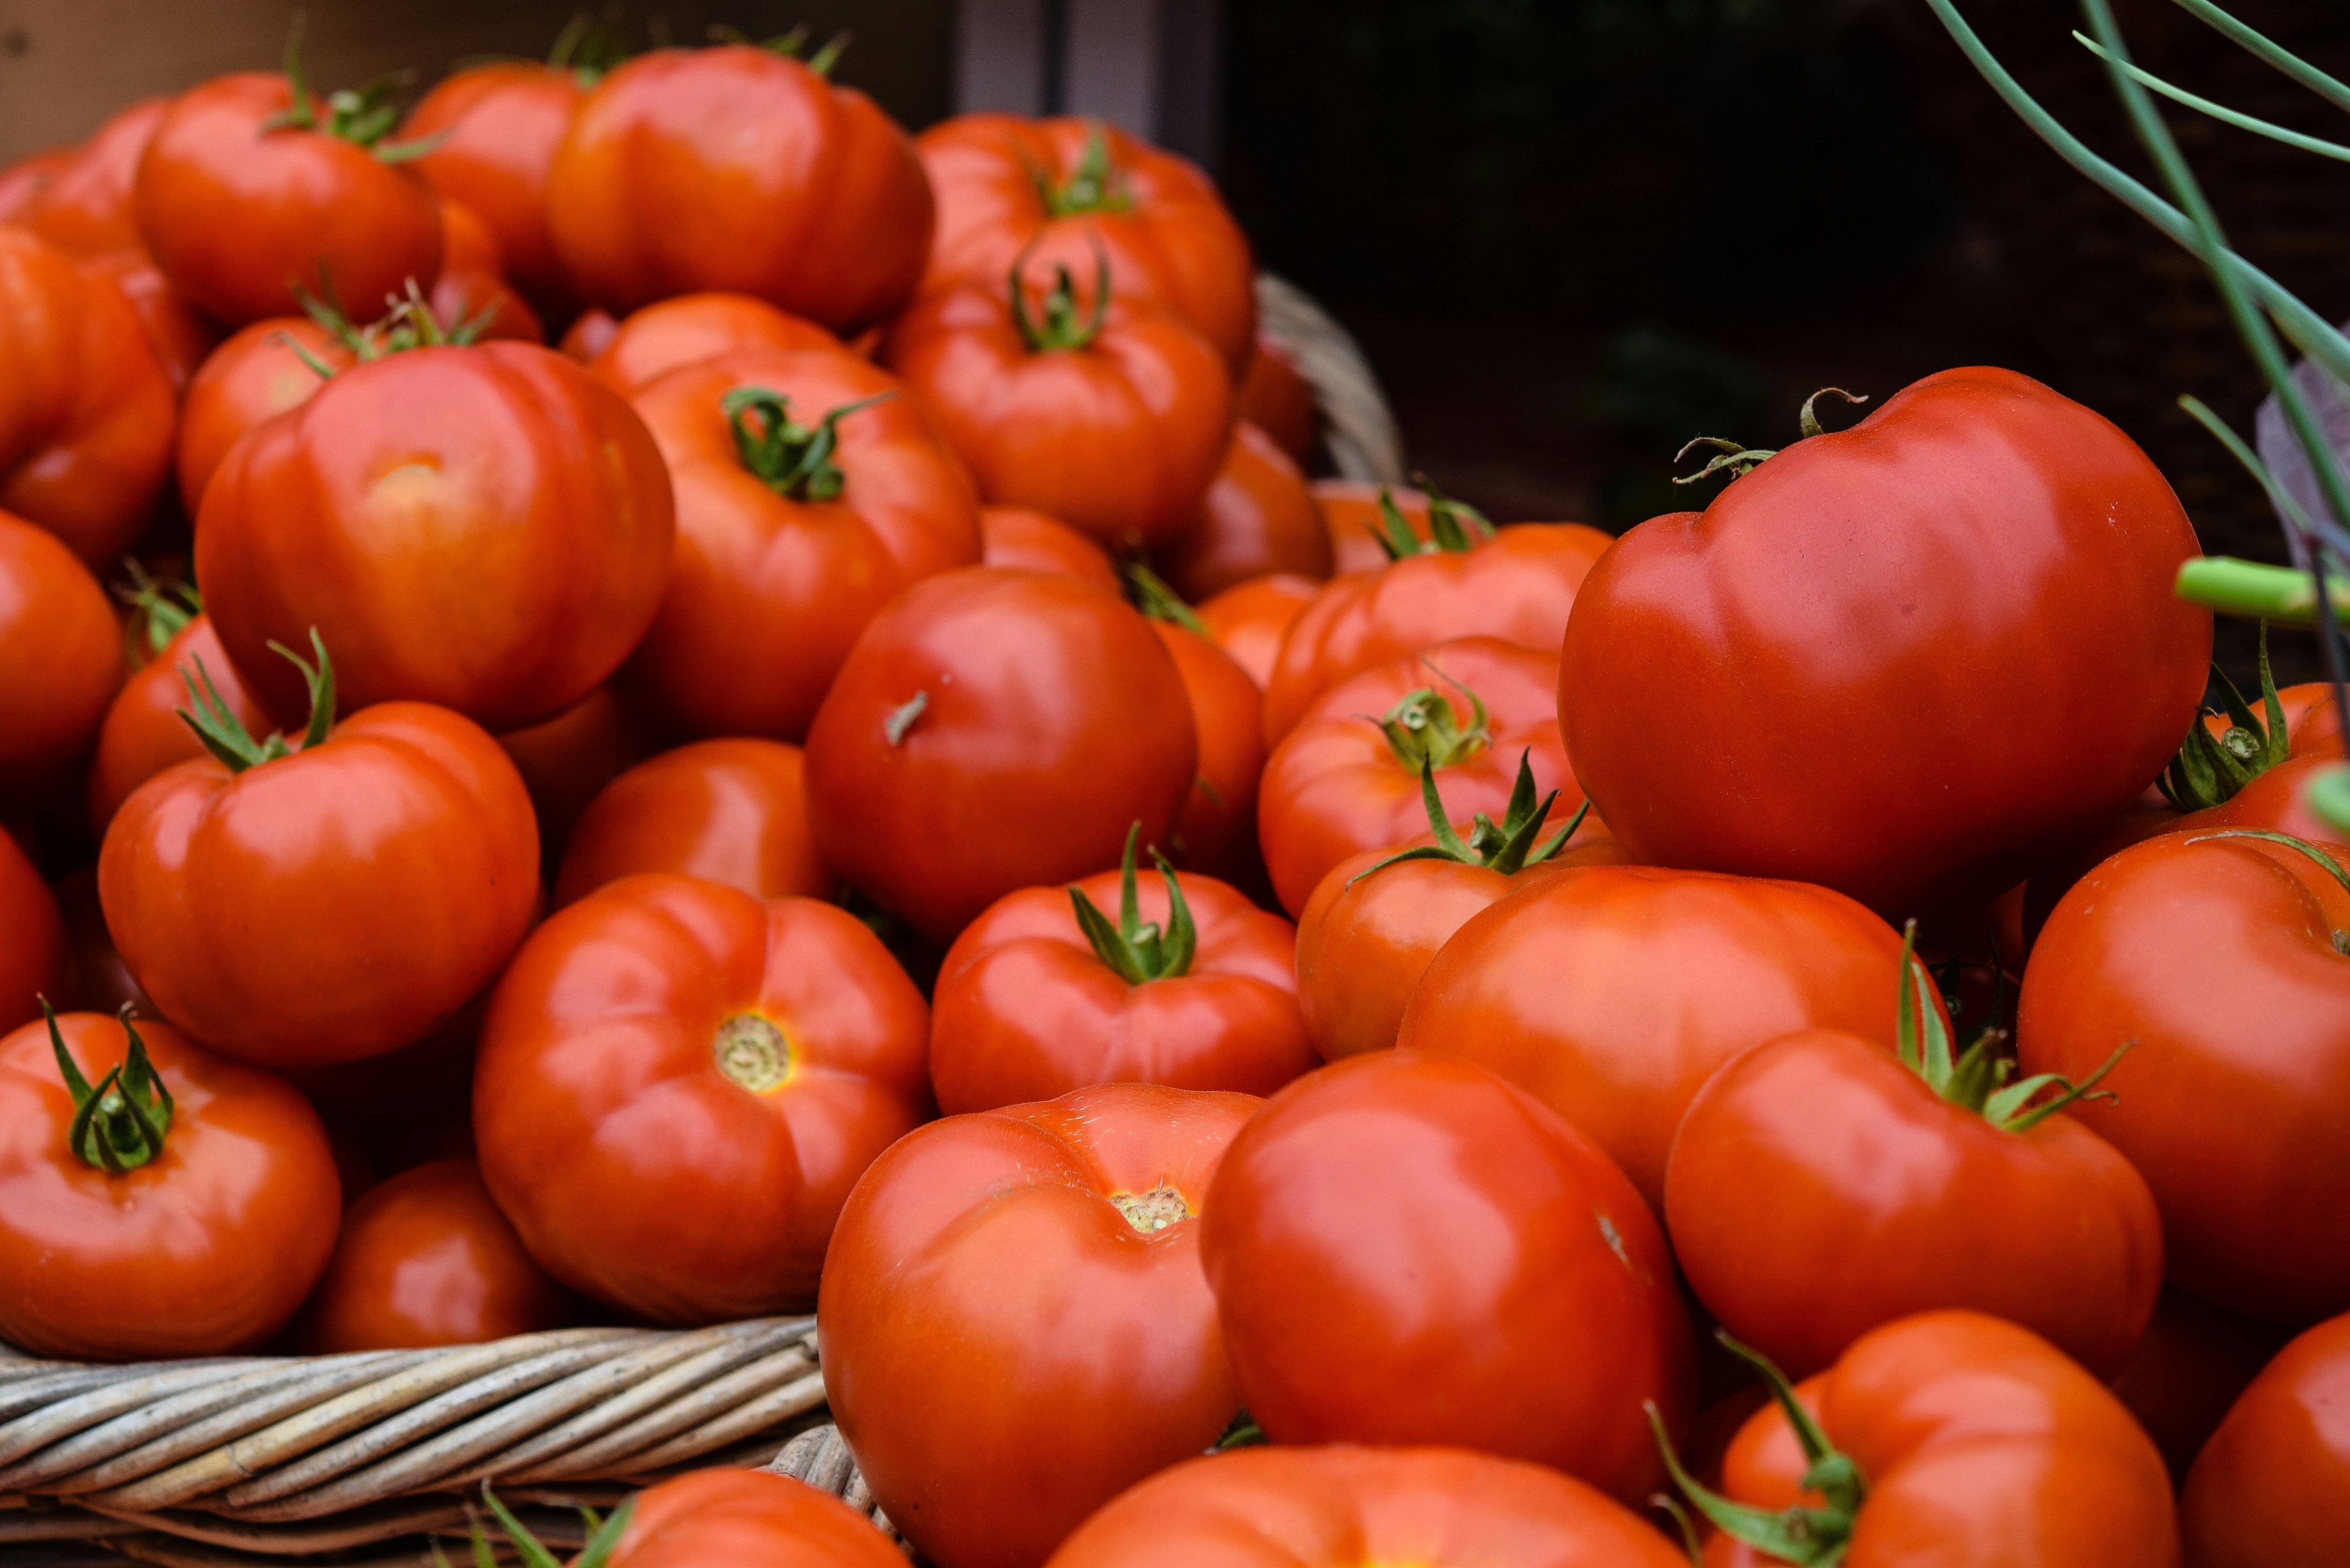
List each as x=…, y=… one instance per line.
x=1112, y=417
x=491, y=132
x=778, y=1041
x=1277, y=398
x=1348, y=776
x=810, y=494
x=747, y=1519
x=251, y=188
x=1356, y=521
x=84, y=206
x=736, y=168
x=1256, y=519
x=995, y=729
x=180, y=337
x=2272, y=1489
x=1612, y=992
x=566, y=763
x=1342, y=1507
x=1249, y=619
x=2216, y=952
x=1955, y=1438
x=258, y=373
x=85, y=412
x=61, y=661
x=1516, y=586
x=425, y=1259
x=299, y=907
x=32, y=937
x=1187, y=983
x=693, y=328
x=1408, y=1250
x=1029, y=541
x=472, y=298
x=1013, y=1326
x=488, y=529
x=725, y=811
x=143, y=733
x=191, y=1219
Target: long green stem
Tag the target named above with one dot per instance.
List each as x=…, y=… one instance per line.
x=2272, y=53
x=2221, y=111
x=2255, y=589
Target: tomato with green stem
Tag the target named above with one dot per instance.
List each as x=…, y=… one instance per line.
x=143, y=733
x=32, y=954
x=1249, y=619
x=1255, y=519
x=730, y=811
x=1354, y=516
x=327, y=899
x=156, y=1202
x=692, y=328
x=2272, y=1488
x=62, y=658
x=1031, y=541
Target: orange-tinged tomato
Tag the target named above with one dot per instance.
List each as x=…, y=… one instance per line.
x=1256, y=519
x=178, y=335
x=747, y=1519
x=32, y=937
x=498, y=126
x=143, y=733
x=729, y=811
x=692, y=328
x=1030, y=541
x=60, y=662
x=1249, y=619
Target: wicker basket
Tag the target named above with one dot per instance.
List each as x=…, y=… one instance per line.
x=368, y=1460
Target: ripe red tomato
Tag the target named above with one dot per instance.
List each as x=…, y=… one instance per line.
x=1612, y=992
x=810, y=494
x=1825, y=1183
x=1035, y=1001
x=1217, y=830
x=747, y=1519
x=2272, y=1489
x=1112, y=416
x=1256, y=519
x=143, y=733
x=1277, y=398
x=566, y=763
x=779, y=1041
x=425, y=1259
x=179, y=336
x=472, y=298
x=497, y=127
x=33, y=948
x=725, y=811
x=1249, y=619
x=2193, y=1362
x=329, y=904
x=240, y=1200
x=1517, y=586
x=484, y=528
x=240, y=206
x=1352, y=518
x=694, y=327
x=84, y=205
x=21, y=182
x=1005, y=185
x=995, y=729
x=2216, y=954
x=252, y=377
x=1013, y=1326
x=1978, y=1444
x=1347, y=778
x=85, y=411
x=60, y=662
x=735, y=167
x=1030, y=541
x=1898, y=581
x=1408, y=1250
x=1339, y=1507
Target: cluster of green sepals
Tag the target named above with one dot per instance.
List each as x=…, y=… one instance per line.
x=1424, y=729
x=1138, y=951
x=603, y=1537
x=119, y=1122
x=361, y=115
x=1093, y=186
x=791, y=46
x=1063, y=326
x=791, y=459
x=410, y=323
x=1155, y=599
x=1743, y=460
x=1454, y=527
x=226, y=738
x=1508, y=847
x=161, y=607
x=2208, y=771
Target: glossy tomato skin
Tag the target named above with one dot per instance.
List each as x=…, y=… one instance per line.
x=1170, y=240
x=2217, y=956
x=1517, y=586
x=425, y=1259
x=2272, y=1489
x=767, y=593
x=1337, y=1507
x=735, y=168
x=61, y=661
x=472, y=293
x=779, y=1041
x=1982, y=1447
x=1217, y=832
x=486, y=528
x=1409, y=1250
x=84, y=207
x=1817, y=1188
x=207, y=1250
x=1025, y=1010
x=692, y=328
x=1612, y=992
x=1351, y=516
x=567, y=760
x=32, y=937
x=178, y=335
x=250, y=379
x=1255, y=519
x=1277, y=398
x=499, y=125
x=236, y=214
x=330, y=905
x=1013, y=1326
x=143, y=733
x=1335, y=787
x=1051, y=721
x=1120, y=437
x=1031, y=541
x=2193, y=1362
x=747, y=1519
x=725, y=811
x=84, y=408
x=1898, y=580
x=1249, y=619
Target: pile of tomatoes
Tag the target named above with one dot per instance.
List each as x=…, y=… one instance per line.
x=867, y=778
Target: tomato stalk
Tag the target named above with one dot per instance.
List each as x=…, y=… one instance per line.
x=1454, y=527
x=409, y=324
x=226, y=736
x=1743, y=460
x=1423, y=728
x=1508, y=848
x=359, y=116
x=1063, y=327
x=1152, y=596
x=789, y=458
x=1093, y=186
x=1136, y=950
x=119, y=1122
x=161, y=607
x=788, y=44
x=1809, y=1537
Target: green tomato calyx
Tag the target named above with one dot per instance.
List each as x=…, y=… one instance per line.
x=1136, y=950
x=226, y=736
x=1064, y=326
x=1508, y=848
x=2208, y=771
x=119, y=1123
x=1454, y=527
x=791, y=459
x=1095, y=185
